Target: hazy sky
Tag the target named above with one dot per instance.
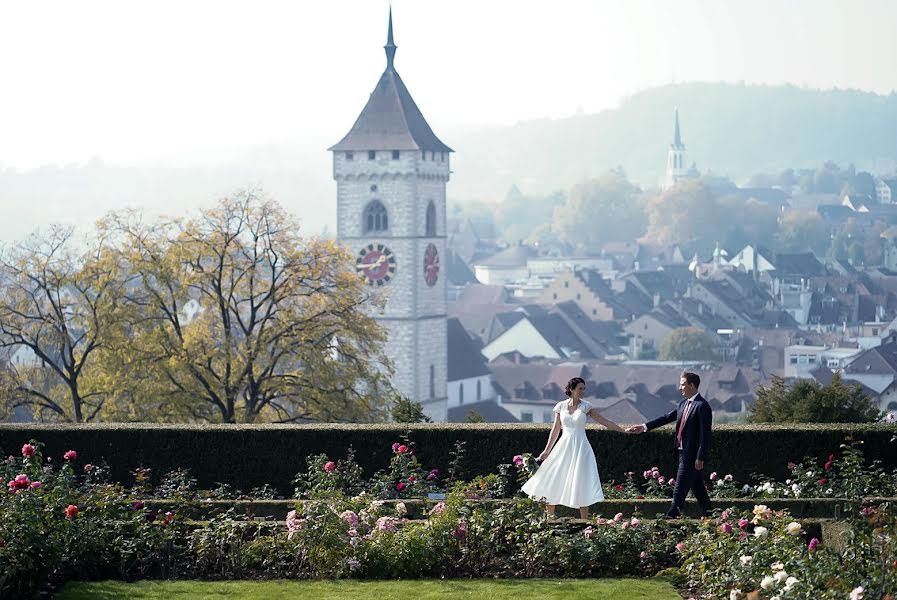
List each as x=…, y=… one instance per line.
x=176, y=80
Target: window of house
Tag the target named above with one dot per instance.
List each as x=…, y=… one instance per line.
x=375, y=217
x=526, y=417
x=792, y=360
x=594, y=311
x=520, y=392
x=461, y=393
x=578, y=296
x=555, y=295
x=566, y=284
x=432, y=381
x=875, y=331
x=395, y=155
x=423, y=156
x=374, y=187
x=547, y=416
x=372, y=155
x=479, y=390
x=350, y=156
x=432, y=155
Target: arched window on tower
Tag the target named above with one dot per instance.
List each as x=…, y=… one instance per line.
x=431, y=220
x=432, y=381
x=375, y=217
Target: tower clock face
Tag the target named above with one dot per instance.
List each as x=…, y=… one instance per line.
x=376, y=263
x=431, y=265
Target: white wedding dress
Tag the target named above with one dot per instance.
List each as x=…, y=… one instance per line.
x=569, y=476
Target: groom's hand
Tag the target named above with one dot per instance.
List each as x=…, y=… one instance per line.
x=699, y=464
x=636, y=429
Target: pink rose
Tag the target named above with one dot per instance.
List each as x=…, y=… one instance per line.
x=395, y=446
x=402, y=449
x=643, y=555
x=70, y=456
x=330, y=466
x=680, y=547
x=88, y=468
x=588, y=532
x=440, y=507
x=35, y=485
x=634, y=522
x=518, y=460
x=28, y=450
x=814, y=543
x=713, y=476
x=138, y=505
x=71, y=511
x=600, y=521
x=646, y=474
x=21, y=482
x=725, y=528
x=724, y=516
x=743, y=523
x=386, y=524
x=671, y=482
x=655, y=474
x=460, y=532
x=412, y=478
x=661, y=480
x=400, y=486
x=169, y=517
x=349, y=517
x=618, y=516
x=625, y=525
x=431, y=477
x=728, y=477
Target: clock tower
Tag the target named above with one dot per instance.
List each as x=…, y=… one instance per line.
x=391, y=171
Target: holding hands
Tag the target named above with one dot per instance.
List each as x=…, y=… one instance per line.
x=637, y=429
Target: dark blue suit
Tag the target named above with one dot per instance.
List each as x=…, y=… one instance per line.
x=695, y=446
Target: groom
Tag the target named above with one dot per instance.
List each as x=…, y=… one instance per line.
x=693, y=418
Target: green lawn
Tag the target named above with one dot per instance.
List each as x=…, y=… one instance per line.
x=568, y=589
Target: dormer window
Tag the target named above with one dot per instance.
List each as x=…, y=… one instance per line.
x=372, y=155
x=350, y=156
x=395, y=155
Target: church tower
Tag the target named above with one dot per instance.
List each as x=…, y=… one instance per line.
x=391, y=171
x=675, y=158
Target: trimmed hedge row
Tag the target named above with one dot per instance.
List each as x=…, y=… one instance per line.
x=246, y=456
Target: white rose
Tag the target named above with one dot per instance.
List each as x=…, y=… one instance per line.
x=776, y=566
x=789, y=583
x=719, y=482
x=735, y=595
x=809, y=473
x=788, y=481
x=775, y=598
x=767, y=582
x=780, y=576
x=793, y=528
x=760, y=531
x=746, y=560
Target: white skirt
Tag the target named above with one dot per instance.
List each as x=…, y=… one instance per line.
x=569, y=476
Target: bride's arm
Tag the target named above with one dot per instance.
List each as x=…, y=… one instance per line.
x=606, y=422
x=555, y=432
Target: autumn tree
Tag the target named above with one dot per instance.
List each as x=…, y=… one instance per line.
x=808, y=401
x=606, y=209
x=237, y=318
x=59, y=314
x=687, y=343
x=801, y=231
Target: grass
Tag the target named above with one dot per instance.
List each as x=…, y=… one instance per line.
x=451, y=589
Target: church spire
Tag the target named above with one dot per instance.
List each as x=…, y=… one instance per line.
x=390, y=46
x=677, y=139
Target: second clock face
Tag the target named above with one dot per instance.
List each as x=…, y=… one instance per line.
x=431, y=265
x=376, y=263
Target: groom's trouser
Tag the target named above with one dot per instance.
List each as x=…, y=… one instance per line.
x=688, y=478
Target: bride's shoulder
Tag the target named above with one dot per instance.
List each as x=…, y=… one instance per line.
x=560, y=406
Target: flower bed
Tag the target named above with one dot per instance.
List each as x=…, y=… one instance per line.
x=61, y=517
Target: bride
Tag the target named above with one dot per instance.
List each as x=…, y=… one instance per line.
x=569, y=475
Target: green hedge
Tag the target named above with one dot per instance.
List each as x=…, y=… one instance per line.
x=247, y=456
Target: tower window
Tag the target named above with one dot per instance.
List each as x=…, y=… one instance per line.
x=432, y=381
x=442, y=156
x=375, y=217
x=432, y=156
x=374, y=187
x=431, y=220
x=349, y=156
x=479, y=390
x=461, y=393
x=372, y=155
x=423, y=155
x=395, y=155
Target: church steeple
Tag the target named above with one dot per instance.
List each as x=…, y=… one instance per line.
x=390, y=46
x=677, y=138
x=675, y=157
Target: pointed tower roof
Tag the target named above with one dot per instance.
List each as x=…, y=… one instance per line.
x=390, y=120
x=677, y=138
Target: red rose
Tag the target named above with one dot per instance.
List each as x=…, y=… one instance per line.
x=70, y=456
x=823, y=481
x=619, y=487
x=28, y=450
x=412, y=478
x=71, y=511
x=402, y=449
x=400, y=486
